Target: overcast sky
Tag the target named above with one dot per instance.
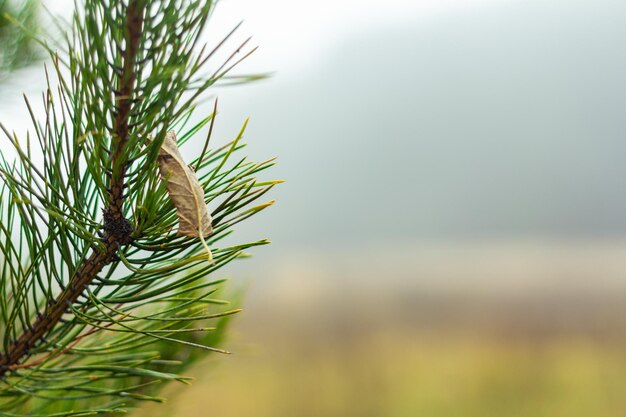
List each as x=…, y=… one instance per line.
x=416, y=120
x=297, y=33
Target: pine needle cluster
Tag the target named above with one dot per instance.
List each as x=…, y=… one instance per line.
x=101, y=300
x=17, y=46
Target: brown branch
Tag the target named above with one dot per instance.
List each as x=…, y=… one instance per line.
x=124, y=100
x=60, y=351
x=117, y=229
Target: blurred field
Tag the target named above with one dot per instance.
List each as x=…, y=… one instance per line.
x=414, y=350
x=400, y=376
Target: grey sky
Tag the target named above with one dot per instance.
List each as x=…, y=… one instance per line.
x=501, y=119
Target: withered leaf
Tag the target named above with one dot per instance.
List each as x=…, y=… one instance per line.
x=184, y=190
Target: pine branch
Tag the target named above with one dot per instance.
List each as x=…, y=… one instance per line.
x=124, y=97
x=117, y=228
x=84, y=276
x=100, y=297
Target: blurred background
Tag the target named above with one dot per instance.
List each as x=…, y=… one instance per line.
x=451, y=238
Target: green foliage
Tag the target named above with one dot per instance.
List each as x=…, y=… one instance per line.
x=17, y=47
x=96, y=311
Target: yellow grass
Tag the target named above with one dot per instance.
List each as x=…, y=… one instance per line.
x=408, y=375
x=474, y=331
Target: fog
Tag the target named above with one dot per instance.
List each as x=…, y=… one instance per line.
x=500, y=121
x=506, y=121
x=454, y=169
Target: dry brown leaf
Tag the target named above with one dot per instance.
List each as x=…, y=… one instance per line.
x=184, y=190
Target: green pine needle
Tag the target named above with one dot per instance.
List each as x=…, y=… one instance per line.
x=140, y=300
